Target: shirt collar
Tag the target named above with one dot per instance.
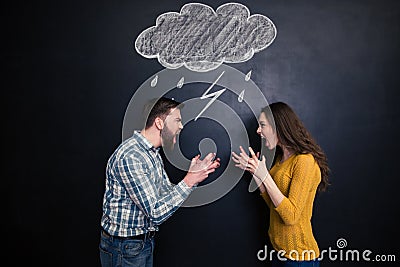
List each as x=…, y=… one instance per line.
x=144, y=142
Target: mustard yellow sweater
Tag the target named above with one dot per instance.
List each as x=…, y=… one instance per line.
x=290, y=223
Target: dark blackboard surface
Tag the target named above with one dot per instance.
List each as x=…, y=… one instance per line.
x=71, y=69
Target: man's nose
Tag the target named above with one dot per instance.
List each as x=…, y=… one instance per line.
x=259, y=130
x=180, y=126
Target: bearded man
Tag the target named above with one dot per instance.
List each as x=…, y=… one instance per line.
x=138, y=194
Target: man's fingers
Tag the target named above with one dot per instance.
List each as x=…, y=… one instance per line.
x=210, y=171
x=214, y=165
x=195, y=159
x=209, y=157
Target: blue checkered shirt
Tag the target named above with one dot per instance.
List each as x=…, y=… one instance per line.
x=138, y=195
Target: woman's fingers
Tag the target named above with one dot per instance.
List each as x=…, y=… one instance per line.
x=235, y=160
x=244, y=162
x=254, y=155
x=243, y=153
x=238, y=159
x=251, y=152
x=236, y=156
x=253, y=164
x=240, y=166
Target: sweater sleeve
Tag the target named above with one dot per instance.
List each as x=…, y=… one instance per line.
x=305, y=180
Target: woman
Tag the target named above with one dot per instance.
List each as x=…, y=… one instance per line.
x=299, y=170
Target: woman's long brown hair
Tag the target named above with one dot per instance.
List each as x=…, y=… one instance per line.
x=294, y=136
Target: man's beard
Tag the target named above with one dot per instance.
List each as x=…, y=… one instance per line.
x=167, y=137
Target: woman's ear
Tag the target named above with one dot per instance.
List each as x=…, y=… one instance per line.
x=159, y=123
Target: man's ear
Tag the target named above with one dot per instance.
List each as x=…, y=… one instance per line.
x=159, y=123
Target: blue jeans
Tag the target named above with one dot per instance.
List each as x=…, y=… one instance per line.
x=276, y=262
x=116, y=252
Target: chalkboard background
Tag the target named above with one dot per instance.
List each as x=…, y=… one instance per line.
x=71, y=69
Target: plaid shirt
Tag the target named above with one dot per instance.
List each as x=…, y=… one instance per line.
x=138, y=195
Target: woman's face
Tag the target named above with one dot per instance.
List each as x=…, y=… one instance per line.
x=267, y=133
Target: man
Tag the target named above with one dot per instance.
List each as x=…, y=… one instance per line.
x=138, y=195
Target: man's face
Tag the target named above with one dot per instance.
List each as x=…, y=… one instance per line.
x=172, y=127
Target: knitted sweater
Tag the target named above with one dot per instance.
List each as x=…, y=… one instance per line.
x=290, y=223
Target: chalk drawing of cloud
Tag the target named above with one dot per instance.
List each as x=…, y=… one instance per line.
x=202, y=39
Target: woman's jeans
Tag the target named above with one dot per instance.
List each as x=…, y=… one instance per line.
x=276, y=262
x=119, y=252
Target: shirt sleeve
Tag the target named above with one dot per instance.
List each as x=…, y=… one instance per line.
x=305, y=180
x=157, y=206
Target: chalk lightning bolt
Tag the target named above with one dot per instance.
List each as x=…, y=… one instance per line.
x=211, y=86
x=215, y=95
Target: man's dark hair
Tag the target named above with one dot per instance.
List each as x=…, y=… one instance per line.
x=160, y=107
